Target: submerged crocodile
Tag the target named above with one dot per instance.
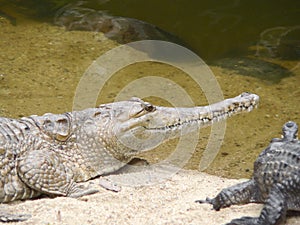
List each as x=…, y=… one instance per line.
x=52, y=154
x=124, y=30
x=275, y=182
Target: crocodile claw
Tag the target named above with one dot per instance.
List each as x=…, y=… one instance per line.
x=207, y=200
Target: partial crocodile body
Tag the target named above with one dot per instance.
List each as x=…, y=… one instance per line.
x=52, y=154
x=275, y=182
x=121, y=29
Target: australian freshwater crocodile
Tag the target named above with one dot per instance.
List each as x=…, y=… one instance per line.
x=52, y=154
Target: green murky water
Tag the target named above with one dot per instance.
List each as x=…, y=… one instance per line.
x=250, y=46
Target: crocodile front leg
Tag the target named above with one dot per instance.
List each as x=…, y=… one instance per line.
x=44, y=171
x=238, y=194
x=7, y=217
x=273, y=212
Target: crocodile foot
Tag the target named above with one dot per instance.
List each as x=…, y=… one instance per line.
x=7, y=217
x=244, y=221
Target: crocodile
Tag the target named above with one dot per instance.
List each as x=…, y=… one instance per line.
x=275, y=182
x=54, y=154
x=121, y=29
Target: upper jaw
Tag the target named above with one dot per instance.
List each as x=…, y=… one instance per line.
x=168, y=118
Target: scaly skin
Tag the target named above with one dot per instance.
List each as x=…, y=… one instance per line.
x=275, y=182
x=52, y=154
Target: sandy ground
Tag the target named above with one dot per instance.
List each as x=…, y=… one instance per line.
x=167, y=202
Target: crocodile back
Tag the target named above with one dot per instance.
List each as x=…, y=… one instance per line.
x=279, y=164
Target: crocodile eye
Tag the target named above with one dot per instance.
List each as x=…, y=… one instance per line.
x=149, y=108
